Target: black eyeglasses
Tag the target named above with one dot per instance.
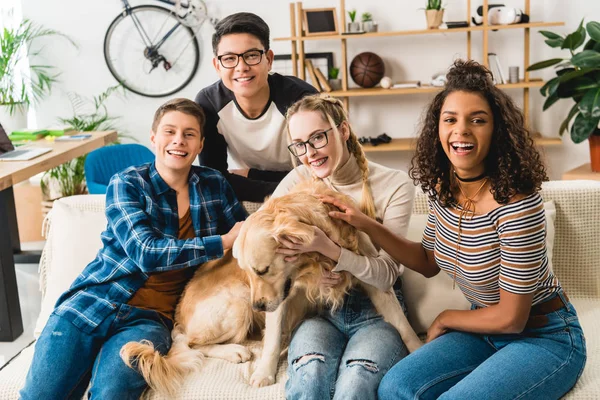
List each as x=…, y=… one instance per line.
x=316, y=141
x=251, y=57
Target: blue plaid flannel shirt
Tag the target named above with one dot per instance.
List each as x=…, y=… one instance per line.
x=142, y=237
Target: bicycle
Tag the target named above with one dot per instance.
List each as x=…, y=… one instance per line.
x=153, y=50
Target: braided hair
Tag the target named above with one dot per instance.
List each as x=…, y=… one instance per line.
x=332, y=110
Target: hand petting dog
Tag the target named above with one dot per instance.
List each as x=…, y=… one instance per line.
x=291, y=246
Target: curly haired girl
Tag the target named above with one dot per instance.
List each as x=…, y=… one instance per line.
x=486, y=228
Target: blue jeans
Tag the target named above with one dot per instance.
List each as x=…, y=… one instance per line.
x=342, y=355
x=65, y=358
x=539, y=363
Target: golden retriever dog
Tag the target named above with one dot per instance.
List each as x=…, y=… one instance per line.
x=222, y=303
x=289, y=291
x=213, y=316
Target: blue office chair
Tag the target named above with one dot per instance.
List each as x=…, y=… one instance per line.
x=101, y=164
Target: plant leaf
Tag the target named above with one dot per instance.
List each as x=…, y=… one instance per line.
x=592, y=45
x=565, y=124
x=576, y=87
x=583, y=127
x=544, y=64
x=551, y=35
x=586, y=59
x=553, y=98
x=575, y=39
x=554, y=42
x=590, y=104
x=549, y=87
x=593, y=29
x=572, y=74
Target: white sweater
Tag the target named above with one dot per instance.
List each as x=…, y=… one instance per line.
x=393, y=193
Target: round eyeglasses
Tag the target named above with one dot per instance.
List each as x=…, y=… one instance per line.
x=316, y=141
x=231, y=60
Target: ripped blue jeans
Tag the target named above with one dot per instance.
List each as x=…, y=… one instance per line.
x=343, y=355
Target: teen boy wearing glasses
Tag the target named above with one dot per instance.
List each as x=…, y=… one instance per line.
x=245, y=109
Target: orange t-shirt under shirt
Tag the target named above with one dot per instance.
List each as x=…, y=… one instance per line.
x=163, y=289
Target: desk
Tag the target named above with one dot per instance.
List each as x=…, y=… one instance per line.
x=582, y=172
x=11, y=173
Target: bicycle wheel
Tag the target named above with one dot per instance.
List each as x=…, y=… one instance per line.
x=142, y=55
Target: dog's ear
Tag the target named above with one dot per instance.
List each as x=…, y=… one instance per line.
x=301, y=232
x=236, y=249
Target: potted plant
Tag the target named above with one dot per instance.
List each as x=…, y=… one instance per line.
x=367, y=22
x=353, y=26
x=577, y=78
x=19, y=88
x=334, y=81
x=88, y=115
x=434, y=13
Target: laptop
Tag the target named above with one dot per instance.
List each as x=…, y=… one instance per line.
x=24, y=154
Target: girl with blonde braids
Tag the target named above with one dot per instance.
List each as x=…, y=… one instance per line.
x=344, y=354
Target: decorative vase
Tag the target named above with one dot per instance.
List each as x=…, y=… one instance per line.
x=353, y=26
x=336, y=84
x=595, y=150
x=16, y=120
x=434, y=18
x=369, y=26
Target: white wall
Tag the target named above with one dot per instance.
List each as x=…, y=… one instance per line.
x=407, y=58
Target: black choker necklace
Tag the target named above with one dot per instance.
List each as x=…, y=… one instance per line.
x=478, y=177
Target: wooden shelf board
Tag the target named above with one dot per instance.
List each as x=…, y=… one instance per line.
x=378, y=91
x=421, y=31
x=522, y=85
x=547, y=141
x=381, y=34
x=408, y=144
x=403, y=144
x=522, y=26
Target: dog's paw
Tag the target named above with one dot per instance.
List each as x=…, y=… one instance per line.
x=261, y=378
x=235, y=353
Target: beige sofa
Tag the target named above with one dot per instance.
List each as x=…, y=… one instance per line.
x=573, y=211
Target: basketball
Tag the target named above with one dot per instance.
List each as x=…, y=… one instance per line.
x=367, y=69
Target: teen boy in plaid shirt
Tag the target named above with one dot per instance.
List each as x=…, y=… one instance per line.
x=164, y=220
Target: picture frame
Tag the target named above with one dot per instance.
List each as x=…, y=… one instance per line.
x=320, y=21
x=282, y=63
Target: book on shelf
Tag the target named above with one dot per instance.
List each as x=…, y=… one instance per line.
x=406, y=85
x=322, y=80
x=496, y=68
x=312, y=74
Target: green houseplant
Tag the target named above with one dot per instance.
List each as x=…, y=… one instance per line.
x=353, y=25
x=88, y=115
x=434, y=13
x=434, y=5
x=368, y=24
x=334, y=81
x=17, y=89
x=577, y=78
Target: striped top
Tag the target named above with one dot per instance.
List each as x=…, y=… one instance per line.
x=502, y=249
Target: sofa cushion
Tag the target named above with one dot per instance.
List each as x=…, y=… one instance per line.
x=427, y=298
x=73, y=242
x=221, y=380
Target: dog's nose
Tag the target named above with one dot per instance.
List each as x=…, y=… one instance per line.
x=259, y=305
